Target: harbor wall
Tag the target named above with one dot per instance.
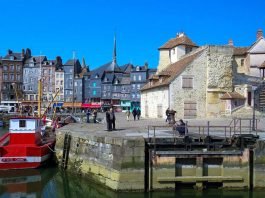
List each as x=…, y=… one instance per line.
x=116, y=162
x=120, y=163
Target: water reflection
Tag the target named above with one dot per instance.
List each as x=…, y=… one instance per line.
x=53, y=182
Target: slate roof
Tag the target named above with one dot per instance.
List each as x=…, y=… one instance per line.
x=171, y=72
x=126, y=68
x=240, y=51
x=108, y=67
x=125, y=80
x=17, y=56
x=232, y=95
x=179, y=40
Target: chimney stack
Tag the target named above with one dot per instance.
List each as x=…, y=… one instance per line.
x=23, y=53
x=230, y=42
x=259, y=34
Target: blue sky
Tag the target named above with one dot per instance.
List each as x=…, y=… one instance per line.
x=59, y=27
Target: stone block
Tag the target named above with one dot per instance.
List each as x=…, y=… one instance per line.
x=115, y=175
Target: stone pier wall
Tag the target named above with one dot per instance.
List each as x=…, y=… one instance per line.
x=115, y=162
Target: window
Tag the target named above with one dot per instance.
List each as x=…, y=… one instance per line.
x=133, y=95
x=11, y=58
x=12, y=77
x=188, y=50
x=12, y=67
x=31, y=97
x=242, y=62
x=18, y=76
x=140, y=77
x=61, y=82
x=138, y=86
x=94, y=92
x=190, y=109
x=133, y=86
x=5, y=68
x=18, y=67
x=137, y=68
x=22, y=123
x=5, y=76
x=76, y=84
x=134, y=77
x=57, y=82
x=61, y=75
x=187, y=82
x=57, y=75
x=94, y=84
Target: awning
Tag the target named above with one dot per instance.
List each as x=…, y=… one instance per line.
x=231, y=96
x=70, y=104
x=91, y=105
x=58, y=104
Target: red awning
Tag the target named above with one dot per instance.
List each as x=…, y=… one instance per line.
x=91, y=105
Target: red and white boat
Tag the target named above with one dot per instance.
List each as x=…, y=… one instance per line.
x=25, y=145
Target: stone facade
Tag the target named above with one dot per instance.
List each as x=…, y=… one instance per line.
x=219, y=78
x=155, y=102
x=198, y=71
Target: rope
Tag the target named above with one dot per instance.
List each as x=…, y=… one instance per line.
x=51, y=149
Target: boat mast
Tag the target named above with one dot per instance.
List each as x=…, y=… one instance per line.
x=73, y=95
x=39, y=91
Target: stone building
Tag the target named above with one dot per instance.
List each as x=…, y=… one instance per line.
x=12, y=72
x=191, y=86
x=210, y=81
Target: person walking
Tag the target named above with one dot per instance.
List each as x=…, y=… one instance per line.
x=112, y=119
x=95, y=113
x=167, y=114
x=138, y=113
x=134, y=112
x=108, y=120
x=128, y=113
x=88, y=113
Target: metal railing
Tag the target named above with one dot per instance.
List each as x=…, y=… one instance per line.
x=236, y=126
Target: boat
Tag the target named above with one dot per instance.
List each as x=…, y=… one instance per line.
x=25, y=145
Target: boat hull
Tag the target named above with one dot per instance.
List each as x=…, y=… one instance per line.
x=20, y=162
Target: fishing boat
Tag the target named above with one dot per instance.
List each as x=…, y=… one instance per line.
x=25, y=145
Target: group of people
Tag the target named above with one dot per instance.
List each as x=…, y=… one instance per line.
x=135, y=112
x=94, y=114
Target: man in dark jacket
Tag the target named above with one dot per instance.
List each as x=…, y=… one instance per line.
x=112, y=118
x=109, y=122
x=134, y=112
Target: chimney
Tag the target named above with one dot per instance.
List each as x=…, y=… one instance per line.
x=23, y=53
x=230, y=42
x=259, y=34
x=9, y=52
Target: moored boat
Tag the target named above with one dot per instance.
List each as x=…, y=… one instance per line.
x=25, y=146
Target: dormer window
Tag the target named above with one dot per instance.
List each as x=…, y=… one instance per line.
x=11, y=58
x=96, y=76
x=116, y=82
x=106, y=80
x=137, y=68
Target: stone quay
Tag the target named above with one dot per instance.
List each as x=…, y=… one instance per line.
x=139, y=157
